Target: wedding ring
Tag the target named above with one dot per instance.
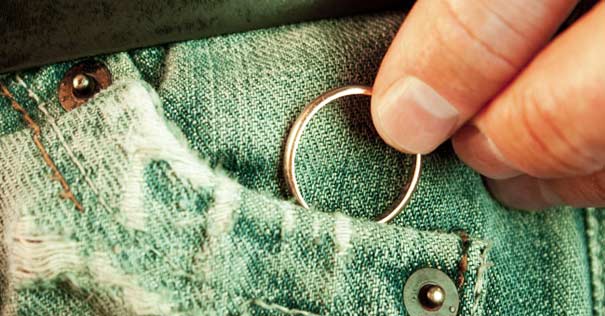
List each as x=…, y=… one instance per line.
x=295, y=135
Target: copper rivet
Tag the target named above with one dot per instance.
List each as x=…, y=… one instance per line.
x=81, y=82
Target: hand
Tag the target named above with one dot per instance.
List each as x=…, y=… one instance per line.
x=526, y=112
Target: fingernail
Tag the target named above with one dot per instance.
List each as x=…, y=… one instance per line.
x=481, y=154
x=414, y=117
x=523, y=192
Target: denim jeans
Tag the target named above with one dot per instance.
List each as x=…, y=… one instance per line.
x=166, y=195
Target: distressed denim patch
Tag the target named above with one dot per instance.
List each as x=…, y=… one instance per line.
x=163, y=233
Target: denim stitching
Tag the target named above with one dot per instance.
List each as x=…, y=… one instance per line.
x=62, y=142
x=593, y=230
x=36, y=133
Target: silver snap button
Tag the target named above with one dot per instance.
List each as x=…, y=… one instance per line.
x=430, y=292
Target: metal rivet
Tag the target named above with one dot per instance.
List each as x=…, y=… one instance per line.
x=431, y=296
x=81, y=82
x=430, y=292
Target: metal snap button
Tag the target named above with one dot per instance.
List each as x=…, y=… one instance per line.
x=81, y=82
x=430, y=292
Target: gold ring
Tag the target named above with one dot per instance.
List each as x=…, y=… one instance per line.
x=294, y=138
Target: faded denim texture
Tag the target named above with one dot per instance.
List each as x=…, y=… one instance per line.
x=177, y=167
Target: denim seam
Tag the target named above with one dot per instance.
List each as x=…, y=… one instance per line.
x=36, y=134
x=52, y=123
x=595, y=253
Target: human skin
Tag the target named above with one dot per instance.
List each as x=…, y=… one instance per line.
x=522, y=108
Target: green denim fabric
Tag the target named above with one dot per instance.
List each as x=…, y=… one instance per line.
x=177, y=166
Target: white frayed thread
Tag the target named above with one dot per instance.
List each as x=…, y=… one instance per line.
x=7, y=219
x=227, y=198
x=316, y=230
x=283, y=309
x=40, y=256
x=343, y=231
x=139, y=300
x=480, y=282
x=289, y=219
x=46, y=257
x=148, y=140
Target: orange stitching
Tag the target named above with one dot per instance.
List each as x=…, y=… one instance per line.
x=463, y=264
x=67, y=193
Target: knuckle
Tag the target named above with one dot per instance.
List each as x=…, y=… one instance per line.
x=484, y=50
x=556, y=150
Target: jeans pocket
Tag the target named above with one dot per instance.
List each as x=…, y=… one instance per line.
x=160, y=232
